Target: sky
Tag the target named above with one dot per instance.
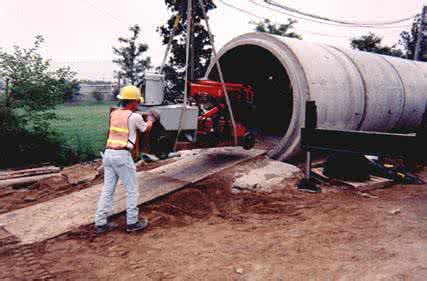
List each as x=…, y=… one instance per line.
x=81, y=33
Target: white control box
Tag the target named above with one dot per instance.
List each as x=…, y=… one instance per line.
x=154, y=89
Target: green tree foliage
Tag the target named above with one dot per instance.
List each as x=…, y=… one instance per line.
x=408, y=40
x=131, y=57
x=175, y=68
x=284, y=29
x=25, y=113
x=71, y=90
x=373, y=43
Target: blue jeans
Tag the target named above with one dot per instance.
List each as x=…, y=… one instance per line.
x=118, y=164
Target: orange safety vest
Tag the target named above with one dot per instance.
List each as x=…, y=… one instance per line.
x=118, y=132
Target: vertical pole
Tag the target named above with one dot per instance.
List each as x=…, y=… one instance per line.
x=307, y=165
x=420, y=41
x=192, y=56
x=7, y=92
x=422, y=136
x=186, y=82
x=310, y=123
x=187, y=51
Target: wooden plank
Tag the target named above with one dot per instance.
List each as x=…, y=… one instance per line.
x=26, y=180
x=55, y=217
x=29, y=174
x=10, y=173
x=373, y=183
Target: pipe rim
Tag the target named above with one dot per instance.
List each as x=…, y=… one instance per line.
x=288, y=146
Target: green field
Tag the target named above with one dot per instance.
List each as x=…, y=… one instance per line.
x=84, y=127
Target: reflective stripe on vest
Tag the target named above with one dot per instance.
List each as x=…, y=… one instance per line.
x=118, y=133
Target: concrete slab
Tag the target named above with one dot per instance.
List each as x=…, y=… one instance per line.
x=49, y=219
x=273, y=176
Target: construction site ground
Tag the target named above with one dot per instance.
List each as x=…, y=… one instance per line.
x=206, y=232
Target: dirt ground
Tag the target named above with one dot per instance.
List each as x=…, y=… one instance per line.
x=205, y=232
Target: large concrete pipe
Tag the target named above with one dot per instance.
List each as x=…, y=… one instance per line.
x=353, y=90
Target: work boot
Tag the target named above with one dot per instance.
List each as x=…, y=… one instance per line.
x=105, y=228
x=137, y=226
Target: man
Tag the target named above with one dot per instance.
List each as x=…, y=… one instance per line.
x=118, y=162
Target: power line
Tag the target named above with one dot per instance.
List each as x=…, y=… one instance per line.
x=264, y=18
x=361, y=24
x=324, y=22
x=103, y=11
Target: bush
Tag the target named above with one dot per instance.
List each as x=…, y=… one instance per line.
x=98, y=96
x=25, y=115
x=26, y=147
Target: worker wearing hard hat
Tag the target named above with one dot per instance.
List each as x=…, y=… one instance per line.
x=118, y=162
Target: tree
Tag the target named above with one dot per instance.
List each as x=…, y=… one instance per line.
x=277, y=29
x=25, y=113
x=131, y=58
x=408, y=40
x=35, y=87
x=372, y=43
x=73, y=87
x=202, y=47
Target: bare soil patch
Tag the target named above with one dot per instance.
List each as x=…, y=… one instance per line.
x=205, y=232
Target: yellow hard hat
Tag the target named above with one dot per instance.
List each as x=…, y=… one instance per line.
x=130, y=93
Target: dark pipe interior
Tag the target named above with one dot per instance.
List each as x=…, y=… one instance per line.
x=256, y=66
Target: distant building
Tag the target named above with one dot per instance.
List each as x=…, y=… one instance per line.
x=87, y=88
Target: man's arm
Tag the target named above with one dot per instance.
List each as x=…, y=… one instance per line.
x=149, y=125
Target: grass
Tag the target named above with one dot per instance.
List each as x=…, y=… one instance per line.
x=84, y=127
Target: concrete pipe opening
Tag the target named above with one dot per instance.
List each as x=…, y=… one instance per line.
x=353, y=90
x=258, y=67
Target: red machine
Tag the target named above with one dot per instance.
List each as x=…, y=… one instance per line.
x=214, y=123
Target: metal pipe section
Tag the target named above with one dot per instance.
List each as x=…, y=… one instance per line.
x=353, y=90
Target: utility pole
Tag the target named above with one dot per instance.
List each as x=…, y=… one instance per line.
x=7, y=92
x=188, y=51
x=192, y=57
x=420, y=49
x=118, y=81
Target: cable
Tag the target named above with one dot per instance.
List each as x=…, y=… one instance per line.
x=263, y=18
x=220, y=73
x=325, y=22
x=282, y=6
x=102, y=11
x=187, y=63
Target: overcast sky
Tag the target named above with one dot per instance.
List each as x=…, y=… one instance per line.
x=81, y=33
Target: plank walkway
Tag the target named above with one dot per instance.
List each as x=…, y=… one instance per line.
x=60, y=215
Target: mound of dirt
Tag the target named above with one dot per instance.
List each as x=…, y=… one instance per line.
x=189, y=202
x=81, y=173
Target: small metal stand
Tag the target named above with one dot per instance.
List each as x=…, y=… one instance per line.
x=407, y=146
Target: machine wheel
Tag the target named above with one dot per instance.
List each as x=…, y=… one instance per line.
x=248, y=141
x=163, y=147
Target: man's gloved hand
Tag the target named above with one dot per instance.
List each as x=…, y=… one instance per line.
x=151, y=116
